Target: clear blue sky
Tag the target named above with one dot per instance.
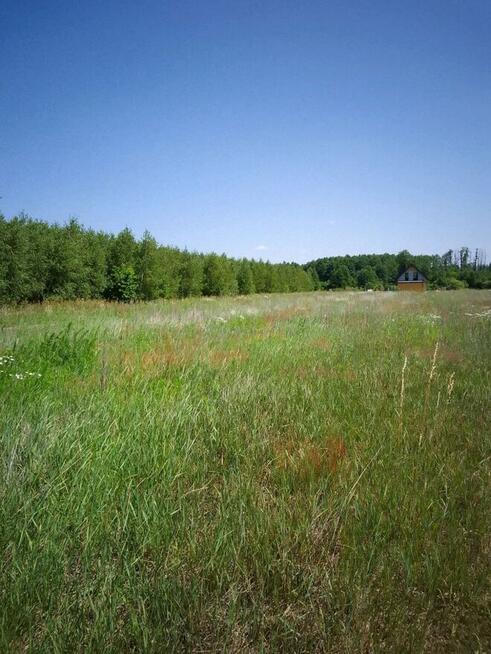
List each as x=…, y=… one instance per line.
x=284, y=129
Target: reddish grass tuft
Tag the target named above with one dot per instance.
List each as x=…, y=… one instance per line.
x=322, y=343
x=283, y=314
x=219, y=358
x=311, y=460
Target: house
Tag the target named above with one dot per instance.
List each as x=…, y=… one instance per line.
x=411, y=280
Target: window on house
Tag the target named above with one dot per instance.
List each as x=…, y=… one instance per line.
x=406, y=276
x=415, y=276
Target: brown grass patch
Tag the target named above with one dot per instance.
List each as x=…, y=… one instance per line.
x=330, y=371
x=219, y=358
x=348, y=374
x=322, y=343
x=444, y=354
x=157, y=359
x=172, y=354
x=283, y=314
x=163, y=355
x=311, y=460
x=301, y=372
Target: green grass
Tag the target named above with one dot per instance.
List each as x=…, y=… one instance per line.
x=245, y=475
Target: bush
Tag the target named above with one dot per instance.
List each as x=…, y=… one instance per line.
x=125, y=285
x=454, y=284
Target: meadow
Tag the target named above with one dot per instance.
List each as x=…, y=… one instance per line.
x=285, y=473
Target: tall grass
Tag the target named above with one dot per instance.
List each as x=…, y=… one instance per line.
x=289, y=473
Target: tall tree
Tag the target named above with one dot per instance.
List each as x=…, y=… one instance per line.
x=122, y=250
x=97, y=245
x=191, y=277
x=15, y=257
x=245, y=279
x=341, y=277
x=148, y=268
x=367, y=278
x=69, y=272
x=124, y=284
x=219, y=276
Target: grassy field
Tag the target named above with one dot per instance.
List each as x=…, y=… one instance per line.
x=293, y=473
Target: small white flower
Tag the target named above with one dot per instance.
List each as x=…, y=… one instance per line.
x=483, y=314
x=23, y=375
x=431, y=318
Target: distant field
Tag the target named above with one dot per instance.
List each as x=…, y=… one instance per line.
x=292, y=473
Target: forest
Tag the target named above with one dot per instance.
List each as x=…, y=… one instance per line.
x=455, y=269
x=41, y=261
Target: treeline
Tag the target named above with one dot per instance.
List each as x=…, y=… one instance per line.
x=455, y=269
x=40, y=261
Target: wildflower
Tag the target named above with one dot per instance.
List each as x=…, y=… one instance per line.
x=24, y=375
x=484, y=314
x=431, y=318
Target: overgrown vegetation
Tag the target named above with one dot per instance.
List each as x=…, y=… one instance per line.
x=291, y=473
x=39, y=261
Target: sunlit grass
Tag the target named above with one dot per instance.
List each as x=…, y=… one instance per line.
x=247, y=474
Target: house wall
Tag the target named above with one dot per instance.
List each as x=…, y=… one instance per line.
x=417, y=287
x=411, y=273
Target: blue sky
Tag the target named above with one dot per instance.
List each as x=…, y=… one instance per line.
x=275, y=129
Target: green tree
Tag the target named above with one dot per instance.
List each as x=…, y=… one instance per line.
x=148, y=268
x=122, y=255
x=341, y=277
x=170, y=267
x=260, y=276
x=125, y=284
x=245, y=279
x=316, y=282
x=69, y=273
x=191, y=277
x=4, y=290
x=97, y=246
x=15, y=261
x=404, y=260
x=123, y=250
x=219, y=276
x=367, y=278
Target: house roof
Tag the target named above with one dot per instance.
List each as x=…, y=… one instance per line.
x=421, y=276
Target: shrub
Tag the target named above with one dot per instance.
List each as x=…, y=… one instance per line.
x=124, y=285
x=454, y=284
